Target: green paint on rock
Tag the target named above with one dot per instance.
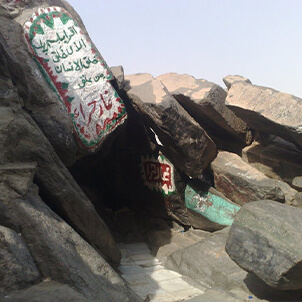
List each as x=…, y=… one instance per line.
x=213, y=207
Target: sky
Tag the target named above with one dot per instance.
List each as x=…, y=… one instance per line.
x=208, y=39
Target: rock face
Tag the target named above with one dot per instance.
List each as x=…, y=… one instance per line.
x=206, y=261
x=229, y=80
x=25, y=142
x=265, y=239
x=267, y=110
x=17, y=267
x=70, y=91
x=58, y=251
x=279, y=160
x=118, y=73
x=205, y=102
x=209, y=211
x=242, y=183
x=48, y=291
x=185, y=143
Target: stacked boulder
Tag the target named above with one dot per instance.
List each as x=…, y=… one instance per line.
x=81, y=143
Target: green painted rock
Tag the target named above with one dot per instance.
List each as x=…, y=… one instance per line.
x=266, y=239
x=213, y=211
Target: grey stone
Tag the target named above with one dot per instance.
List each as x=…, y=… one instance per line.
x=229, y=80
x=118, y=73
x=243, y=183
x=265, y=239
x=184, y=142
x=279, y=160
x=217, y=294
x=49, y=291
x=17, y=267
x=207, y=262
x=58, y=251
x=267, y=110
x=205, y=102
x=25, y=142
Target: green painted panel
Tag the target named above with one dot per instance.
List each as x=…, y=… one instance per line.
x=213, y=207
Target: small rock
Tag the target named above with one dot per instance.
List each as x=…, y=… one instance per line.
x=229, y=80
x=118, y=73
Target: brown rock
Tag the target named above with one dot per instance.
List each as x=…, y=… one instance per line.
x=279, y=160
x=242, y=183
x=267, y=110
x=185, y=143
x=229, y=80
x=205, y=102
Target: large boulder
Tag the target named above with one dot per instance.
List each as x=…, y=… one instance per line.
x=63, y=80
x=205, y=102
x=184, y=142
x=17, y=267
x=266, y=239
x=59, y=252
x=243, y=183
x=279, y=160
x=25, y=142
x=267, y=110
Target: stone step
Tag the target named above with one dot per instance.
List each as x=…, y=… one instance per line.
x=145, y=275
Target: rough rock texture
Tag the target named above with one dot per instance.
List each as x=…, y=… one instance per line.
x=297, y=183
x=279, y=160
x=185, y=143
x=46, y=292
x=229, y=80
x=267, y=110
x=58, y=251
x=17, y=267
x=39, y=98
x=205, y=102
x=265, y=239
x=118, y=73
x=242, y=183
x=25, y=142
x=206, y=261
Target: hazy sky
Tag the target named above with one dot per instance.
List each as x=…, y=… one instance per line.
x=209, y=39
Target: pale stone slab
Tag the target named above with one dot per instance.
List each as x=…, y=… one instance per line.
x=164, y=274
x=130, y=269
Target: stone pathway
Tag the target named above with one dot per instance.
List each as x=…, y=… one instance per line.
x=145, y=275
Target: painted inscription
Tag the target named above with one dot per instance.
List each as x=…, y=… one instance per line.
x=76, y=72
x=211, y=206
x=158, y=174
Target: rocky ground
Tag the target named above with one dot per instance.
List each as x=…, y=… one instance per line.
x=135, y=188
